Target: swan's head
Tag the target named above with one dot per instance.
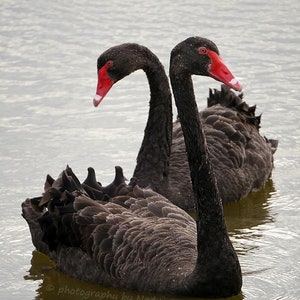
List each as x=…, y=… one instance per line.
x=114, y=64
x=200, y=56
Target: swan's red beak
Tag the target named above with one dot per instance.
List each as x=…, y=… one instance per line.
x=219, y=71
x=103, y=86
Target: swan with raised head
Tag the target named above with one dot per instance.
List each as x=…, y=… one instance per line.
x=137, y=239
x=241, y=157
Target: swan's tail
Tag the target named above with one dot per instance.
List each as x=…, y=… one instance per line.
x=31, y=213
x=273, y=144
x=229, y=98
x=56, y=203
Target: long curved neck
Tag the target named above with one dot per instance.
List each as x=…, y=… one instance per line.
x=153, y=157
x=207, y=201
x=213, y=243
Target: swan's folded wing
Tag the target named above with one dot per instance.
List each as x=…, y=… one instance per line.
x=126, y=242
x=120, y=241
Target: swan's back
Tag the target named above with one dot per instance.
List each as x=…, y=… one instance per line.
x=135, y=240
x=242, y=159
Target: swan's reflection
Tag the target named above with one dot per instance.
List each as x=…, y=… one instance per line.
x=244, y=219
x=55, y=285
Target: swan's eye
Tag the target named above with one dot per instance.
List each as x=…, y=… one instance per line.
x=202, y=50
x=109, y=63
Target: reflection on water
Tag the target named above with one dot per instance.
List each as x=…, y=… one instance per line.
x=251, y=211
x=245, y=218
x=55, y=285
x=243, y=221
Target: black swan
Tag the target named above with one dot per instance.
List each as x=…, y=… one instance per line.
x=241, y=157
x=135, y=238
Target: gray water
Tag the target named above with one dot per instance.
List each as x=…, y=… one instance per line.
x=48, y=54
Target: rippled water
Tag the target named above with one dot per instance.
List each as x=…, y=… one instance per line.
x=48, y=56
